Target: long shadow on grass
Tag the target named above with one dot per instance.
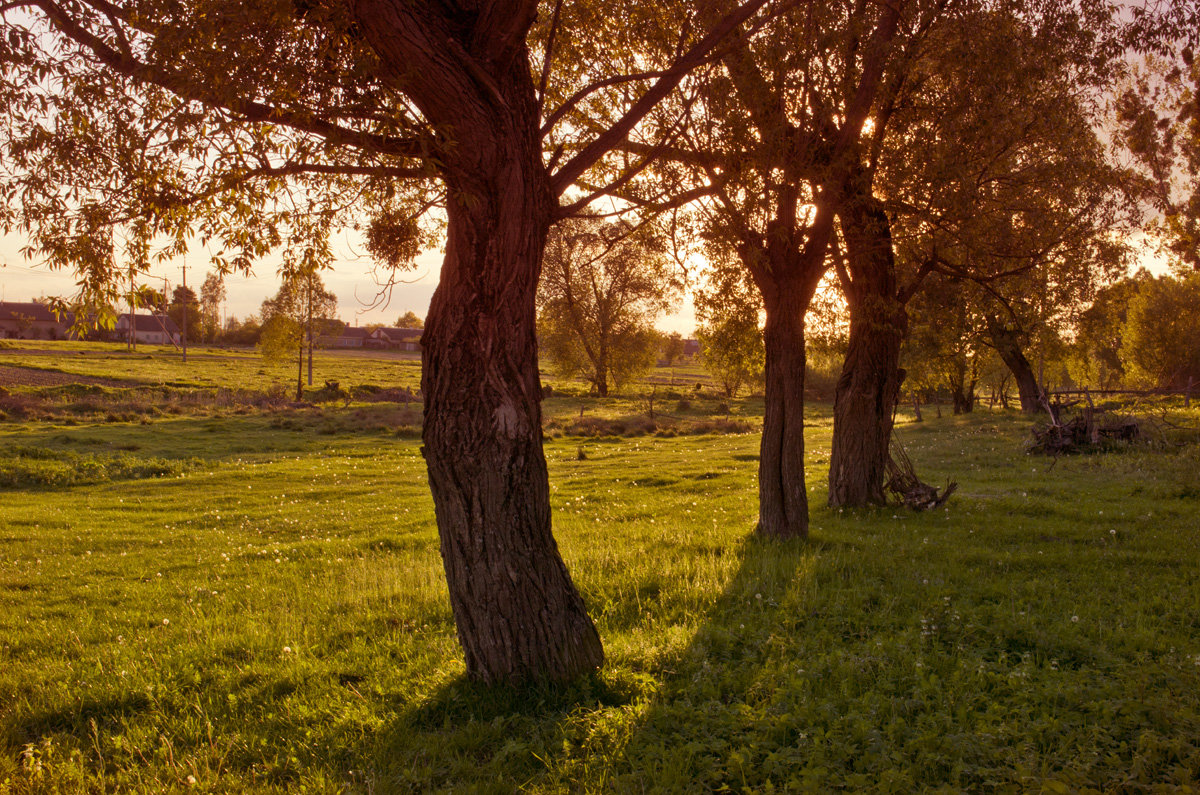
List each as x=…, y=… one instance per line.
x=223, y=437
x=583, y=735
x=693, y=733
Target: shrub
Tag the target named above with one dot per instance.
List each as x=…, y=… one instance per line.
x=41, y=467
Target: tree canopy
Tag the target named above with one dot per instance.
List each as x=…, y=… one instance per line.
x=259, y=125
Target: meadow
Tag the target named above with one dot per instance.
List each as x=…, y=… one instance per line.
x=230, y=596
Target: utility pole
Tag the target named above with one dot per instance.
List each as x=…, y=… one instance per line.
x=130, y=342
x=308, y=326
x=185, y=303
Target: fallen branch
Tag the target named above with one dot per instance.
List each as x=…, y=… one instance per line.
x=904, y=483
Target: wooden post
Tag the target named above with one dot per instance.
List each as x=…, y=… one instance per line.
x=1089, y=416
x=185, y=303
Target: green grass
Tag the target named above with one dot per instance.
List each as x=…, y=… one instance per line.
x=210, y=367
x=245, y=368
x=269, y=614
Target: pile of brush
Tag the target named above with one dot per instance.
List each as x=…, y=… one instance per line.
x=909, y=489
x=1084, y=431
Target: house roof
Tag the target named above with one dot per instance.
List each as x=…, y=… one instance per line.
x=31, y=310
x=151, y=323
x=401, y=334
x=354, y=332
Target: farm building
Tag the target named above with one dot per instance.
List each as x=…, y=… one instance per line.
x=30, y=321
x=397, y=339
x=148, y=329
x=350, y=337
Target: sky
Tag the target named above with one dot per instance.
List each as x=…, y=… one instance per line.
x=350, y=279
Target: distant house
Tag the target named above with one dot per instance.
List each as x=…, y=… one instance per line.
x=691, y=347
x=396, y=339
x=148, y=329
x=351, y=337
x=30, y=321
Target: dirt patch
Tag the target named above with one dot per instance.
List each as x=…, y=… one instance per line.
x=33, y=376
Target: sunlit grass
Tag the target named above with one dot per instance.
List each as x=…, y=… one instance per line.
x=273, y=617
x=242, y=368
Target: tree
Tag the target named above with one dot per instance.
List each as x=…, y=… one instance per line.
x=246, y=332
x=404, y=106
x=730, y=336
x=731, y=348
x=971, y=191
x=672, y=348
x=293, y=317
x=212, y=295
x=1158, y=117
x=279, y=339
x=773, y=131
x=409, y=320
x=1161, y=337
x=603, y=285
x=1098, y=355
x=944, y=345
x=183, y=300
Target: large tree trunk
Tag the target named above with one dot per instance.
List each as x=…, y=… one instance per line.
x=1008, y=345
x=782, y=499
x=517, y=612
x=518, y=615
x=869, y=385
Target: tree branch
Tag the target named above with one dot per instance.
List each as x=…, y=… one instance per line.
x=247, y=110
x=548, y=58
x=610, y=138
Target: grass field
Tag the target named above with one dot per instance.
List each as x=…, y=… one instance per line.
x=209, y=367
x=240, y=599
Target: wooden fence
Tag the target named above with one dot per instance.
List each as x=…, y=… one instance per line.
x=1058, y=395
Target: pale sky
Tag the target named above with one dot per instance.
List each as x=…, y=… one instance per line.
x=350, y=279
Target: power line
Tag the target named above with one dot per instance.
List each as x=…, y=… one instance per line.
x=40, y=271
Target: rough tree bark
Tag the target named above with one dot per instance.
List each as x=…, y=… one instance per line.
x=517, y=613
x=1007, y=342
x=782, y=500
x=869, y=384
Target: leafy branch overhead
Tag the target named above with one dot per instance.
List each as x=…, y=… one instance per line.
x=252, y=126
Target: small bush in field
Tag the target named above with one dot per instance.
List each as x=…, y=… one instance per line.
x=40, y=467
x=721, y=426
